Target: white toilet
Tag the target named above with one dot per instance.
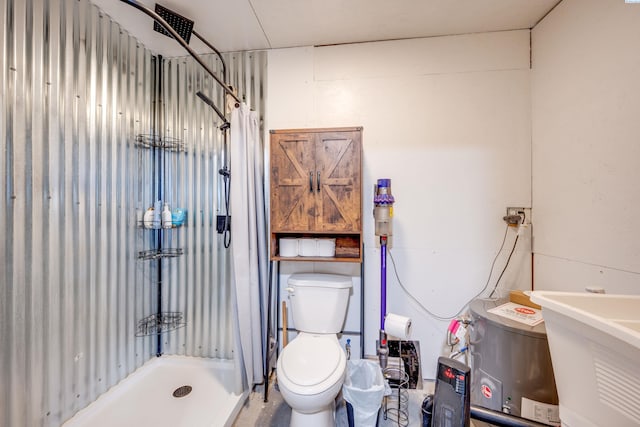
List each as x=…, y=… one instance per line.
x=311, y=368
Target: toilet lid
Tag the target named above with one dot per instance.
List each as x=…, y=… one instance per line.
x=309, y=360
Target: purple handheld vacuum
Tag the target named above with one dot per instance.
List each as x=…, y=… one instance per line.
x=382, y=213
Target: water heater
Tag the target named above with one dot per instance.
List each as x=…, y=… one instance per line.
x=511, y=366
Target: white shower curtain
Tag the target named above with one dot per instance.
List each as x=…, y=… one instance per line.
x=248, y=236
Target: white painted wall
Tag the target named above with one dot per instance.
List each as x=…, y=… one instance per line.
x=586, y=146
x=448, y=120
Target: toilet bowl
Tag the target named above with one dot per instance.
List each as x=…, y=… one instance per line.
x=311, y=369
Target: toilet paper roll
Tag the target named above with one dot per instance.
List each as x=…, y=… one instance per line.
x=288, y=247
x=326, y=247
x=307, y=247
x=397, y=326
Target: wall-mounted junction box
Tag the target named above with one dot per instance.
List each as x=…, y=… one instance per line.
x=517, y=215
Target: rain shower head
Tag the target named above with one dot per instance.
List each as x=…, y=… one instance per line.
x=183, y=26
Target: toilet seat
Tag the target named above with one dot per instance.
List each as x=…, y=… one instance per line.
x=311, y=363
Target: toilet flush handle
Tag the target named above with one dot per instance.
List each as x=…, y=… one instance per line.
x=290, y=290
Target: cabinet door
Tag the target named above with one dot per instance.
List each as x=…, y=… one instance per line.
x=338, y=163
x=293, y=180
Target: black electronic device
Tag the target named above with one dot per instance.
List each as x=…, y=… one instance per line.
x=451, y=399
x=409, y=352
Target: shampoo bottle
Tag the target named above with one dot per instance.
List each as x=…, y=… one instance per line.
x=166, y=216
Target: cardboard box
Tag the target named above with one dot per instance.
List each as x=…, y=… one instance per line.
x=519, y=297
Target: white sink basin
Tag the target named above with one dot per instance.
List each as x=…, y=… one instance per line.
x=594, y=340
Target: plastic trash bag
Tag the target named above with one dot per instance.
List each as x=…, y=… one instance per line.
x=364, y=388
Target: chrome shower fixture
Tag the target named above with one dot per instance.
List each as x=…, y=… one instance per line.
x=225, y=172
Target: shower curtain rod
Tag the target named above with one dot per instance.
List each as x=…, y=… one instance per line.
x=216, y=51
x=184, y=44
x=207, y=100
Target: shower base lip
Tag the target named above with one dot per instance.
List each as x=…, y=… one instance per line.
x=145, y=397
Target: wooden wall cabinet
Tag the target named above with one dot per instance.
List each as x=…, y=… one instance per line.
x=316, y=188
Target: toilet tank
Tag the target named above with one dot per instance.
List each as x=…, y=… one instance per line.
x=319, y=302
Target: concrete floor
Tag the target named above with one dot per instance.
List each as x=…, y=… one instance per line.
x=276, y=412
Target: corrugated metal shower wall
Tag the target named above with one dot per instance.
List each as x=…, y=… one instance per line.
x=74, y=92
x=197, y=283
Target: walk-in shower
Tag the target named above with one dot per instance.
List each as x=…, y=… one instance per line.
x=94, y=129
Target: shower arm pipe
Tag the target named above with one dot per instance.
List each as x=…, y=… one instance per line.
x=182, y=43
x=225, y=126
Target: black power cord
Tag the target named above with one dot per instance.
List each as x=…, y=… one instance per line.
x=515, y=242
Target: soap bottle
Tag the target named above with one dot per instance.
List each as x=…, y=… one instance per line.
x=166, y=216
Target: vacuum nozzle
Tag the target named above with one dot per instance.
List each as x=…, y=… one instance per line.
x=383, y=350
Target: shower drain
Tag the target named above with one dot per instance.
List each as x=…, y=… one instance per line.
x=182, y=391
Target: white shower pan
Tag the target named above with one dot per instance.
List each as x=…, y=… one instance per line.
x=594, y=341
x=146, y=397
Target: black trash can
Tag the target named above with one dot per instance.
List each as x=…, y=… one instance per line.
x=427, y=408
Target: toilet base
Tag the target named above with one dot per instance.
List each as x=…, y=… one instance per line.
x=324, y=418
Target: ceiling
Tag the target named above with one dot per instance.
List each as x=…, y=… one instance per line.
x=238, y=25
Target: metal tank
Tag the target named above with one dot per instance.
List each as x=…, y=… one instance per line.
x=511, y=365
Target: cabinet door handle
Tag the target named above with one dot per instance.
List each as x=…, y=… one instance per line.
x=318, y=182
x=310, y=182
